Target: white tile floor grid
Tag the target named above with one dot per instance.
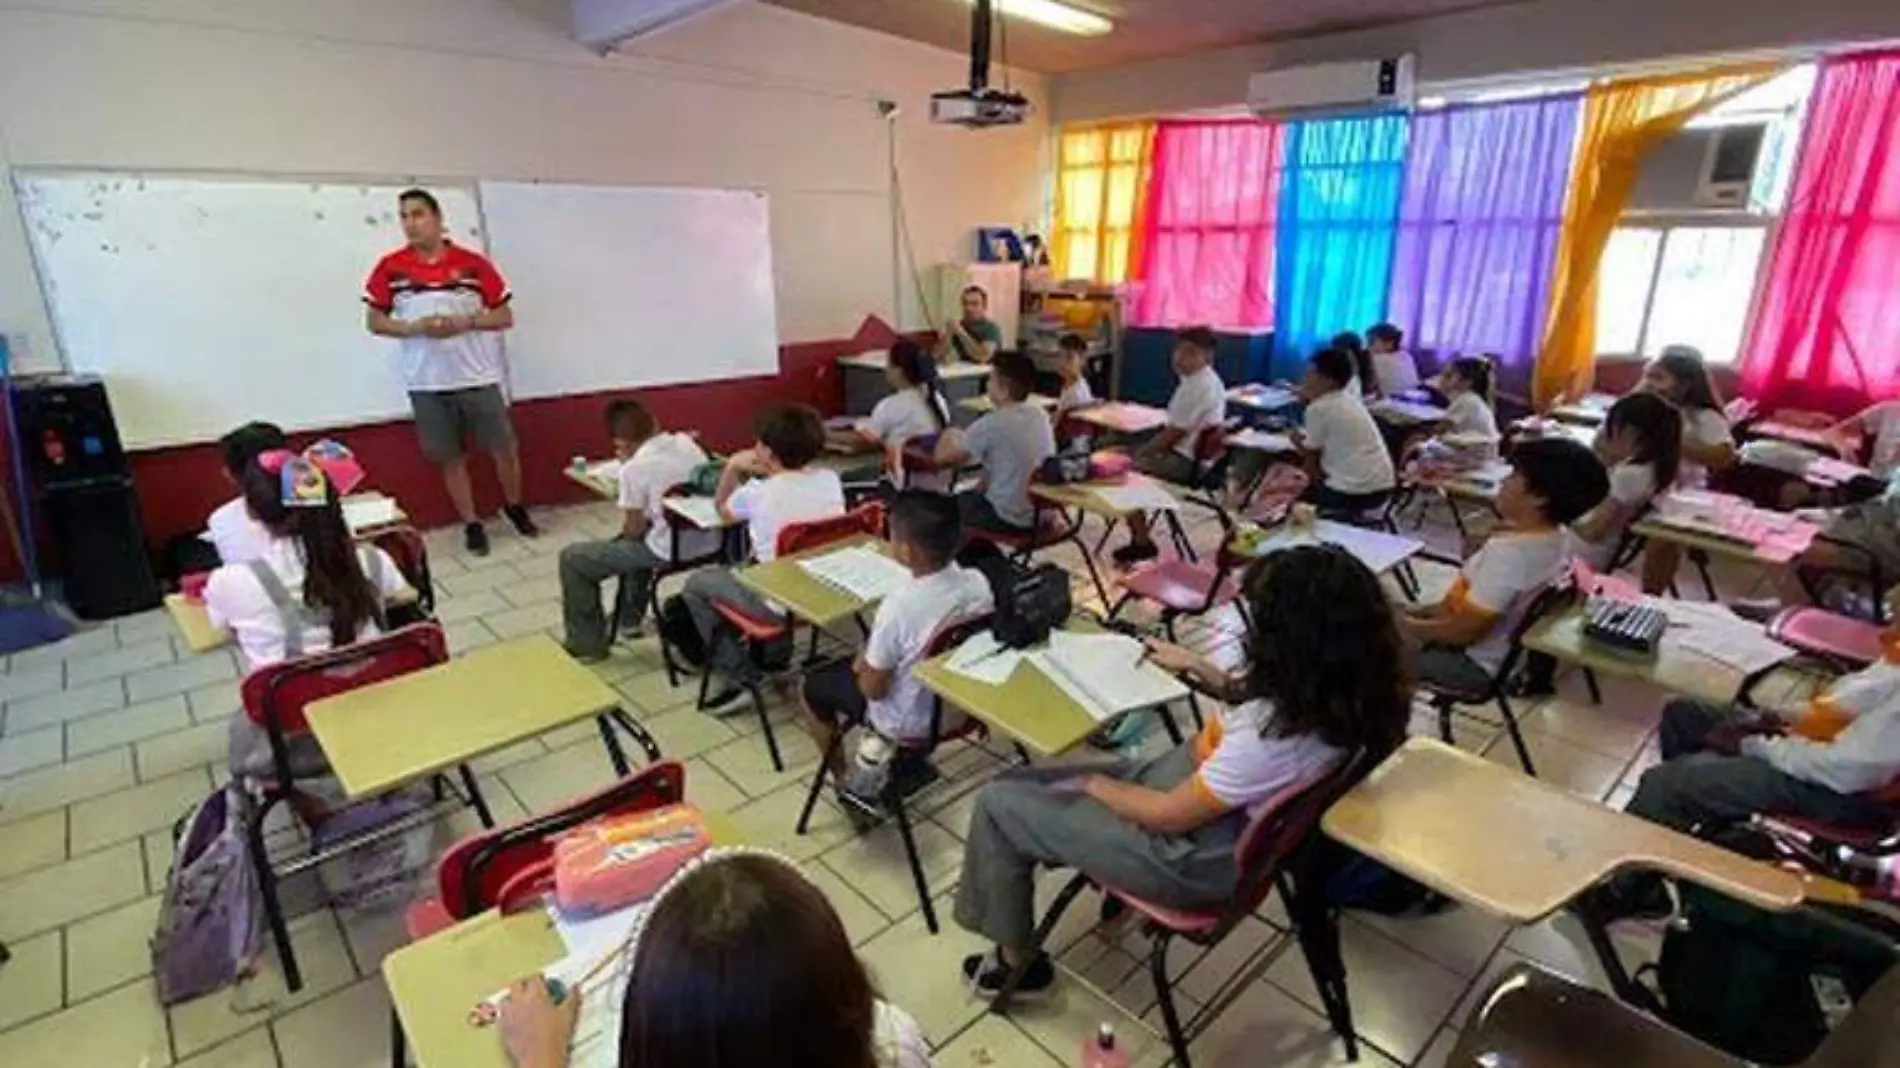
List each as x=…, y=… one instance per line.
x=107, y=737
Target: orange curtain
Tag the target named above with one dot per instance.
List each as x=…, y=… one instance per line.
x=1101, y=181
x=1623, y=122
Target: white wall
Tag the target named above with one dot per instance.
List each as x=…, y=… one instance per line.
x=750, y=96
x=1541, y=36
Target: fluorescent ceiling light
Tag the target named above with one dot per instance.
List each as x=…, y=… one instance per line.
x=1053, y=15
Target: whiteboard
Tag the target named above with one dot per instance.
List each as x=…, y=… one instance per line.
x=205, y=303
x=619, y=286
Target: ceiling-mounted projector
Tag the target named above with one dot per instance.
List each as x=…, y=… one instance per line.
x=980, y=105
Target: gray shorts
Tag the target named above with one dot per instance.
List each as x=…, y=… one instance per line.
x=446, y=419
x=1169, y=466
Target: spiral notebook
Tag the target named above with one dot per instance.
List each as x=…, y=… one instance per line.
x=1105, y=673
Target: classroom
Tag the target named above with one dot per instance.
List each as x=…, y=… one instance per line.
x=974, y=533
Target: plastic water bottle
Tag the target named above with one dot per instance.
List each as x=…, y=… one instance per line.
x=1102, y=1051
x=871, y=767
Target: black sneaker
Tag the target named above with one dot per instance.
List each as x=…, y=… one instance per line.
x=1134, y=553
x=475, y=538
x=524, y=523
x=586, y=656
x=986, y=973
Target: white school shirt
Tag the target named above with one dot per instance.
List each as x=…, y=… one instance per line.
x=906, y=622
x=1397, y=372
x=1352, y=453
x=768, y=505
x=1076, y=394
x=1469, y=414
x=660, y=463
x=1240, y=768
x=1632, y=485
x=1882, y=423
x=1199, y=401
x=904, y=415
x=236, y=534
x=1501, y=578
x=235, y=600
x=1705, y=427
x=1865, y=755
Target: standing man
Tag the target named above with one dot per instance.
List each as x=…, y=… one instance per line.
x=975, y=337
x=448, y=306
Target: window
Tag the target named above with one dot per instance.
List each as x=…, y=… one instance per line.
x=1098, y=189
x=1687, y=282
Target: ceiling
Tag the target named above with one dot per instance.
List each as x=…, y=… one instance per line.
x=1144, y=29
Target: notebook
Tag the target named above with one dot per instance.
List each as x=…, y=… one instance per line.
x=1105, y=673
x=865, y=574
x=361, y=513
x=700, y=510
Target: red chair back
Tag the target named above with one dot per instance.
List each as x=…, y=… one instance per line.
x=867, y=518
x=472, y=875
x=1269, y=842
x=277, y=696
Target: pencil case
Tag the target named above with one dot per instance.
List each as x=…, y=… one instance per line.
x=1109, y=464
x=622, y=860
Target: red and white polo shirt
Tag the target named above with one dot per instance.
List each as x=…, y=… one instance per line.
x=458, y=281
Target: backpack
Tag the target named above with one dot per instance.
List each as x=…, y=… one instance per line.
x=384, y=872
x=1352, y=880
x=1030, y=601
x=681, y=633
x=703, y=480
x=209, y=933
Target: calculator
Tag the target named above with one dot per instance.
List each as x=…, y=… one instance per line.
x=1626, y=626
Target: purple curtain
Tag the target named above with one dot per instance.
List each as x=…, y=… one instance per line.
x=1478, y=229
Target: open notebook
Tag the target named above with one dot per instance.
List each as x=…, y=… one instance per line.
x=1105, y=673
x=361, y=513
x=863, y=573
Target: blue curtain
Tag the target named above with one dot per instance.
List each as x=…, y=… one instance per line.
x=1339, y=209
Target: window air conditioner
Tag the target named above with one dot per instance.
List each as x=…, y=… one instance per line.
x=1729, y=164
x=1324, y=89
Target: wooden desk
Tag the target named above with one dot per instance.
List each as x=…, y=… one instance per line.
x=1517, y=847
x=982, y=405
x=194, y=624
x=1379, y=551
x=396, y=732
x=1817, y=438
x=1768, y=550
x=802, y=594
x=1082, y=496
x=435, y=982
x=1122, y=417
x=1028, y=708
x=1560, y=635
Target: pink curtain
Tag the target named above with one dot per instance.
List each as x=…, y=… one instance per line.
x=1206, y=239
x=1826, y=334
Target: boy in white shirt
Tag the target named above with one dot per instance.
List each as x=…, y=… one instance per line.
x=1393, y=369
x=783, y=489
x=876, y=688
x=1199, y=402
x=651, y=462
x=231, y=528
x=1467, y=633
x=1348, y=465
x=1072, y=372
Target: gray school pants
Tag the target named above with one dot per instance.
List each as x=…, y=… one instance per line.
x=1021, y=823
x=718, y=583
x=587, y=564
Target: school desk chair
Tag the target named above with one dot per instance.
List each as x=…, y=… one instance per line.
x=895, y=799
x=1448, y=700
x=1529, y=1018
x=1837, y=643
x=496, y=867
x=1179, y=587
x=1207, y=480
x=678, y=527
x=1050, y=527
x=1272, y=853
x=277, y=698
x=758, y=636
x=1857, y=586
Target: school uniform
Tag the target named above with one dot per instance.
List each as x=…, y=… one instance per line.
x=1704, y=428
x=906, y=623
x=766, y=506
x=1396, y=372
x=1356, y=470
x=904, y=415
x=1022, y=823
x=1199, y=401
x=1499, y=581
x=660, y=463
x=237, y=536
x=1632, y=487
x=261, y=603
x=1074, y=397
x=1010, y=443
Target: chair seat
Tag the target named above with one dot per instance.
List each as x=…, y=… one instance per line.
x=1180, y=921
x=749, y=626
x=1818, y=632
x=1178, y=584
x=426, y=917
x=1530, y=1017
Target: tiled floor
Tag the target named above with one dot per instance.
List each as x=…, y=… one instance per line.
x=108, y=737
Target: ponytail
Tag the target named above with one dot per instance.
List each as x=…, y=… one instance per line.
x=334, y=582
x=920, y=370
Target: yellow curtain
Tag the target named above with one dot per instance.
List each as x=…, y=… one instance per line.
x=1101, y=183
x=1623, y=122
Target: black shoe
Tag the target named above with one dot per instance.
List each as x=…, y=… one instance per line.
x=986, y=974
x=586, y=656
x=1525, y=685
x=524, y=523
x=475, y=538
x=1134, y=553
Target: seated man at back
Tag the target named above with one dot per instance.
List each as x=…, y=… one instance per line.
x=1010, y=442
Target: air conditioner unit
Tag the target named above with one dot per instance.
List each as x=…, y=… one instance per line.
x=1324, y=89
x=602, y=24
x=1729, y=165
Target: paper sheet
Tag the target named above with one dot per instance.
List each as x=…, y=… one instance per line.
x=700, y=510
x=1745, y=649
x=365, y=512
x=985, y=660
x=863, y=573
x=1261, y=441
x=1139, y=495
x=1105, y=673
x=596, y=1039
x=605, y=470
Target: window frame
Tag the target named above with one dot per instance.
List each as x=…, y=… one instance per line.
x=1664, y=224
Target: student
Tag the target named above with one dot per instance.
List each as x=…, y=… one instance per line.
x=1680, y=377
x=1722, y=765
x=1365, y=382
x=1199, y=402
x=876, y=688
x=231, y=528
x=1850, y=538
x=915, y=408
x=1467, y=633
x=1348, y=465
x=1641, y=447
x=1393, y=369
x=311, y=589
x=1072, y=375
x=651, y=462
x=1468, y=384
x=975, y=337
x=740, y=962
x=1010, y=442
x=1881, y=422
x=1325, y=677
x=783, y=489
